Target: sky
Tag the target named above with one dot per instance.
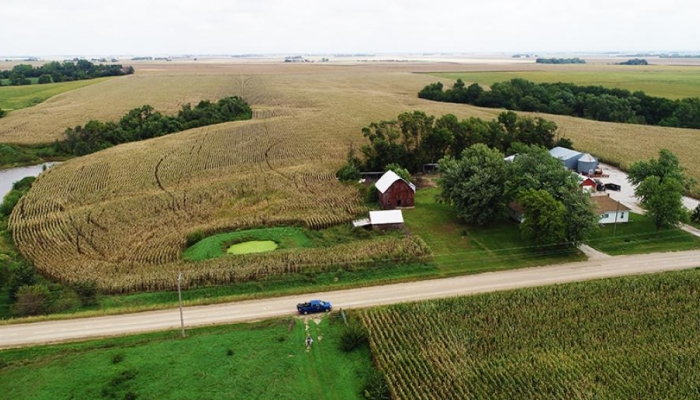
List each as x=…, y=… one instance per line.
x=160, y=27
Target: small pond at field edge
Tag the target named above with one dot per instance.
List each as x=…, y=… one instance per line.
x=254, y=246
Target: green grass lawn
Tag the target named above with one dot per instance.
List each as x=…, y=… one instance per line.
x=16, y=97
x=640, y=236
x=265, y=360
x=460, y=249
x=216, y=245
x=673, y=82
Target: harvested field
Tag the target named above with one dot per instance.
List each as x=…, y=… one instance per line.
x=121, y=216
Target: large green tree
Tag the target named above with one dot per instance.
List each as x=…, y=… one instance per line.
x=660, y=186
x=544, y=218
x=535, y=169
x=474, y=184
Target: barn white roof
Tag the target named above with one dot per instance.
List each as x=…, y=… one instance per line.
x=388, y=179
x=386, y=217
x=563, y=153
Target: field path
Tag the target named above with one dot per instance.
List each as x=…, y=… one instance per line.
x=75, y=329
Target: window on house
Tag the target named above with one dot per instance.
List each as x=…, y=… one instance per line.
x=604, y=216
x=622, y=215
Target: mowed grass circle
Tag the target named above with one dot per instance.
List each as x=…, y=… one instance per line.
x=254, y=246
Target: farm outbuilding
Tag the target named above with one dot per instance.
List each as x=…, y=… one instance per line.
x=395, y=192
x=568, y=157
x=587, y=164
x=610, y=210
x=587, y=184
x=386, y=219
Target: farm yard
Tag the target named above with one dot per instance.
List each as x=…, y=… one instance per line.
x=121, y=217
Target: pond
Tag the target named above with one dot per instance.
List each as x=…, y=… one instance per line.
x=253, y=246
x=12, y=175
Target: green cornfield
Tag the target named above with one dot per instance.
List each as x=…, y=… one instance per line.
x=625, y=338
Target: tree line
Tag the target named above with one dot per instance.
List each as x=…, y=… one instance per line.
x=62, y=72
x=591, y=102
x=575, y=60
x=145, y=123
x=415, y=138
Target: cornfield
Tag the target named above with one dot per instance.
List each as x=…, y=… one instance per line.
x=635, y=337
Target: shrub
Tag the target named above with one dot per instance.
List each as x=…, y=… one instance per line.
x=32, y=300
x=348, y=173
x=375, y=387
x=87, y=292
x=695, y=216
x=352, y=337
x=194, y=237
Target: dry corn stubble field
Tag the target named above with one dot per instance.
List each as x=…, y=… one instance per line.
x=121, y=216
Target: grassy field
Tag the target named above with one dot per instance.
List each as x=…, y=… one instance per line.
x=640, y=236
x=624, y=338
x=459, y=249
x=265, y=360
x=673, y=82
x=18, y=97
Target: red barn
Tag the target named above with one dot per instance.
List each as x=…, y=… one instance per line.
x=395, y=192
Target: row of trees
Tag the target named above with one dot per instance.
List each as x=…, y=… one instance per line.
x=592, y=102
x=415, y=138
x=575, y=60
x=481, y=185
x=62, y=71
x=145, y=123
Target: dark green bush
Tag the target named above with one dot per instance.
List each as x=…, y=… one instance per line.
x=353, y=336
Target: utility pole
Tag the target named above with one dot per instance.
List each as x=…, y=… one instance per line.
x=617, y=211
x=179, y=296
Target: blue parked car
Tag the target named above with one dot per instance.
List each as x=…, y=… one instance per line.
x=314, y=306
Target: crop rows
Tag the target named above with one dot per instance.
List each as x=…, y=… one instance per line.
x=632, y=337
x=121, y=217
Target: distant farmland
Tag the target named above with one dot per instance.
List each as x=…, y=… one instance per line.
x=123, y=215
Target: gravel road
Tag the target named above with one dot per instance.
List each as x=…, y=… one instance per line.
x=83, y=328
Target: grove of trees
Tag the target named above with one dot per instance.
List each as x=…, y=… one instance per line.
x=415, y=138
x=592, y=102
x=481, y=184
x=146, y=123
x=62, y=71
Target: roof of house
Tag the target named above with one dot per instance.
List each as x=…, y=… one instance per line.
x=563, y=153
x=388, y=179
x=386, y=217
x=587, y=158
x=608, y=204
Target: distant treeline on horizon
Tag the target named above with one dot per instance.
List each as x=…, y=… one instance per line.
x=65, y=71
x=591, y=102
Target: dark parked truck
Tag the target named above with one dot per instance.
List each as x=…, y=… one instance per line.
x=314, y=306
